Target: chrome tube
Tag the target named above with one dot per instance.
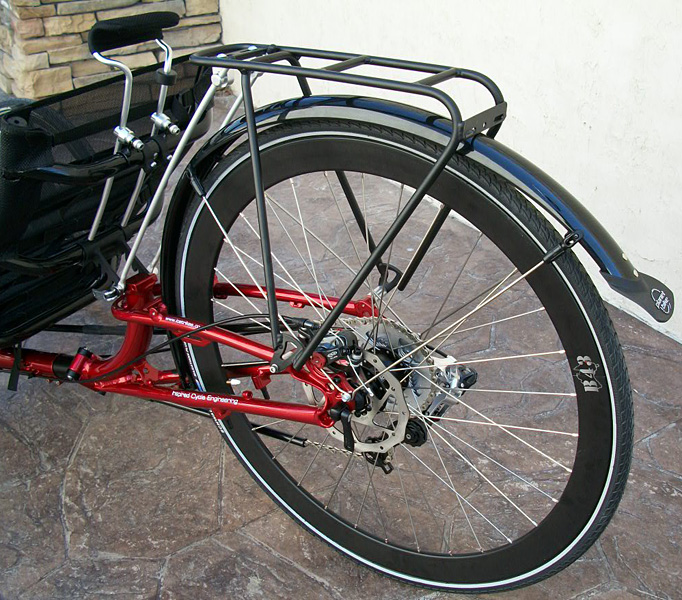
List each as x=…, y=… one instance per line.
x=161, y=104
x=125, y=109
x=216, y=83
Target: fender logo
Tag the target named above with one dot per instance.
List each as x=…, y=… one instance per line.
x=585, y=372
x=661, y=300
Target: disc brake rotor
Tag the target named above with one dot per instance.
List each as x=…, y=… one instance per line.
x=392, y=342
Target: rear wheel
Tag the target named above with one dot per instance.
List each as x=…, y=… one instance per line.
x=487, y=459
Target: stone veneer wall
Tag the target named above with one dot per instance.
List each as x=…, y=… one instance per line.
x=43, y=43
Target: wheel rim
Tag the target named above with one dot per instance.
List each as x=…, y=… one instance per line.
x=452, y=435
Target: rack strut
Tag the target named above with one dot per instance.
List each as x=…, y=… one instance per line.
x=251, y=59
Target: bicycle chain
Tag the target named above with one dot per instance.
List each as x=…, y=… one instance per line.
x=332, y=449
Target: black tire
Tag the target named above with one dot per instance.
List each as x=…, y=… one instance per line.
x=581, y=502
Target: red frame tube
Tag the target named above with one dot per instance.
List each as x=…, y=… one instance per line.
x=356, y=308
x=141, y=307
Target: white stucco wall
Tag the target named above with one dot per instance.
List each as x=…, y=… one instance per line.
x=594, y=91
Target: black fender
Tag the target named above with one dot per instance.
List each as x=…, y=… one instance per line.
x=621, y=275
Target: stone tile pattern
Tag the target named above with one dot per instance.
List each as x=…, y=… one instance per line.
x=111, y=496
x=43, y=43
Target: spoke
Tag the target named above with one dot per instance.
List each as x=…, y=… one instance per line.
x=488, y=324
x=279, y=262
x=454, y=283
x=442, y=462
x=284, y=228
x=376, y=499
x=488, y=295
x=314, y=304
x=420, y=488
x=338, y=482
x=305, y=237
x=345, y=223
x=485, y=294
x=236, y=288
x=486, y=424
x=486, y=479
x=453, y=325
x=255, y=282
x=491, y=459
x=286, y=232
x=364, y=496
x=505, y=426
x=375, y=331
x=291, y=278
x=481, y=390
x=267, y=424
x=204, y=201
x=312, y=234
x=234, y=310
x=478, y=512
x=319, y=449
x=496, y=322
x=480, y=414
x=464, y=319
x=288, y=442
x=407, y=505
x=370, y=483
x=482, y=360
x=512, y=357
x=333, y=253
x=292, y=281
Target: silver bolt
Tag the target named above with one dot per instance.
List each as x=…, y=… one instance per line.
x=273, y=368
x=346, y=397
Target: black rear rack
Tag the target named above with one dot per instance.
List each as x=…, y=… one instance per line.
x=252, y=59
x=260, y=58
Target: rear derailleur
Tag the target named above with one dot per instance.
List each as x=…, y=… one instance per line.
x=415, y=435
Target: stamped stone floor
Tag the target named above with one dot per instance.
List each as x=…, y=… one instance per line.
x=111, y=497
x=116, y=497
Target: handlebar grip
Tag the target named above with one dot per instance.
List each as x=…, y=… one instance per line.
x=126, y=31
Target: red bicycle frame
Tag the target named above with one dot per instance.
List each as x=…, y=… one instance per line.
x=142, y=308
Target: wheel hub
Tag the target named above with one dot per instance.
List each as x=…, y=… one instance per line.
x=381, y=420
